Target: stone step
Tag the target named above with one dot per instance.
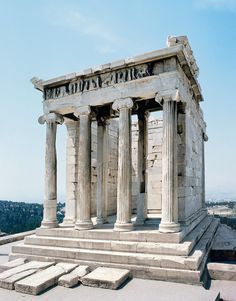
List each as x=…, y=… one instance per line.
x=138, y=271
x=37, y=283
x=164, y=261
x=196, y=234
x=141, y=234
x=112, y=245
x=181, y=249
x=191, y=262
x=203, y=247
x=103, y=255
x=143, y=265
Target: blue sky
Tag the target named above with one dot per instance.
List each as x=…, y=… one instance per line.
x=48, y=38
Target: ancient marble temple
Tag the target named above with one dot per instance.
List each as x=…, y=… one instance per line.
x=169, y=178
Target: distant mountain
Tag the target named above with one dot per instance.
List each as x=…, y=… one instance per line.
x=18, y=217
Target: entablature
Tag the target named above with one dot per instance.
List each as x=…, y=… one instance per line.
x=140, y=77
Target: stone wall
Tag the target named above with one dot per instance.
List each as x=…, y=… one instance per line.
x=190, y=162
x=191, y=128
x=153, y=165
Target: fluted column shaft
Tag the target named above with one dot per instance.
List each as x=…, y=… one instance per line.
x=84, y=170
x=105, y=170
x=50, y=197
x=169, y=220
x=102, y=170
x=72, y=146
x=124, y=180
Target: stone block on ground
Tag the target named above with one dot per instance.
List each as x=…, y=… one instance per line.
x=12, y=264
x=68, y=280
x=73, y=278
x=68, y=267
x=222, y=271
x=11, y=276
x=110, y=278
x=9, y=283
x=37, y=283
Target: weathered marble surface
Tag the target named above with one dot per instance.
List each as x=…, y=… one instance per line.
x=110, y=278
x=9, y=277
x=83, y=220
x=72, y=148
x=39, y=282
x=124, y=177
x=50, y=180
x=73, y=278
x=153, y=164
x=86, y=86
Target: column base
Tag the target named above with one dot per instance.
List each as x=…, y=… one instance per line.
x=87, y=225
x=123, y=227
x=49, y=224
x=169, y=227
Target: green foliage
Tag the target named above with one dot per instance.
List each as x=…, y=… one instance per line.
x=18, y=217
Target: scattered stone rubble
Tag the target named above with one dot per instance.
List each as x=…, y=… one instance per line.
x=73, y=278
x=35, y=277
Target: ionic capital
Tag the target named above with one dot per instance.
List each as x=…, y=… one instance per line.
x=167, y=95
x=85, y=110
x=122, y=103
x=51, y=118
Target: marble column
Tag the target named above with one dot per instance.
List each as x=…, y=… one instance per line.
x=141, y=167
x=124, y=178
x=72, y=147
x=204, y=139
x=169, y=220
x=50, y=197
x=106, y=152
x=102, y=171
x=83, y=221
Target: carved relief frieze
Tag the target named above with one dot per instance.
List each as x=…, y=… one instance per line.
x=83, y=84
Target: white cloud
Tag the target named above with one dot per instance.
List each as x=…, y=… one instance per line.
x=75, y=20
x=221, y=5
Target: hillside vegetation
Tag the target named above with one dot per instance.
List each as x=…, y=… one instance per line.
x=18, y=217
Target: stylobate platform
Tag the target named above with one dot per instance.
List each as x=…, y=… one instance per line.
x=145, y=251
